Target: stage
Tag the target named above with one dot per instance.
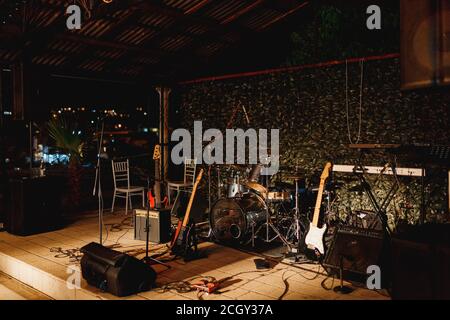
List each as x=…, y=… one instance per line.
x=30, y=260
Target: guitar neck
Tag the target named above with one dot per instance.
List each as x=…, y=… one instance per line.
x=316, y=215
x=157, y=187
x=191, y=199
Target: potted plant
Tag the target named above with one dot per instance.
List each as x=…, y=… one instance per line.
x=68, y=141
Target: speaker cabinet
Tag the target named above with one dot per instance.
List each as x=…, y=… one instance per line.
x=425, y=43
x=159, y=222
x=115, y=272
x=421, y=263
x=34, y=205
x=357, y=249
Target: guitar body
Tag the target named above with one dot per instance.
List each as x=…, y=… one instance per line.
x=176, y=234
x=157, y=186
x=186, y=241
x=184, y=237
x=314, y=238
x=151, y=199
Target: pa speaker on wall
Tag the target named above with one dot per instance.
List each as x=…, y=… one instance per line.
x=425, y=43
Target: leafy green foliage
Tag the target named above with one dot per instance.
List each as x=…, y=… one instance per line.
x=339, y=31
x=66, y=139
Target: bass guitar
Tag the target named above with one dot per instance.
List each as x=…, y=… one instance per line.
x=314, y=237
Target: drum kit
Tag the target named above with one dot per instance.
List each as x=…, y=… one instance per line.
x=257, y=206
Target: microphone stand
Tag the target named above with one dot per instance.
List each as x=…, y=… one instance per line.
x=147, y=259
x=341, y=288
x=98, y=185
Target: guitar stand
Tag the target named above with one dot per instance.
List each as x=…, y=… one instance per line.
x=190, y=252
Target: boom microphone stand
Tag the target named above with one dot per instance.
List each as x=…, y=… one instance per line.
x=98, y=185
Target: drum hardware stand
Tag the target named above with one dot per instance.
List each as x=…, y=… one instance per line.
x=252, y=239
x=219, y=184
x=297, y=224
x=269, y=225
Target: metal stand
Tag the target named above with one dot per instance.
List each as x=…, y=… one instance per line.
x=341, y=288
x=98, y=185
x=270, y=225
x=296, y=256
x=147, y=259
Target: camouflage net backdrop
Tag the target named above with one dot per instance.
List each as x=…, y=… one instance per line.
x=309, y=108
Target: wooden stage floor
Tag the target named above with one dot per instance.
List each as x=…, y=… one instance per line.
x=30, y=260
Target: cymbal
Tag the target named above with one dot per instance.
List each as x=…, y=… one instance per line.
x=256, y=187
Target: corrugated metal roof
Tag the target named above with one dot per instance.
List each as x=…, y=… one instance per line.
x=127, y=37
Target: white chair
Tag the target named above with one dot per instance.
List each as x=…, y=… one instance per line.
x=188, y=181
x=122, y=188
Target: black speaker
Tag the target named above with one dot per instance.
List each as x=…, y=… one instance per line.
x=421, y=263
x=159, y=223
x=357, y=248
x=34, y=205
x=115, y=272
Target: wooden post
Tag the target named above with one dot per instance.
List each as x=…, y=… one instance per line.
x=163, y=134
x=160, y=132
x=166, y=132
x=20, y=95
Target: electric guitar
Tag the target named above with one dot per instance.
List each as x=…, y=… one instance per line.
x=155, y=200
x=181, y=236
x=314, y=237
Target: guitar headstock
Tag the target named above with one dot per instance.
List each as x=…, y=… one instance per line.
x=326, y=171
x=157, y=152
x=199, y=177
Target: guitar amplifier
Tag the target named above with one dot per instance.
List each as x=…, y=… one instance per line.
x=357, y=248
x=159, y=223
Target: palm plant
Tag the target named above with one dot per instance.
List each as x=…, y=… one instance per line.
x=70, y=143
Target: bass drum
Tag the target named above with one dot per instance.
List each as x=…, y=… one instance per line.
x=232, y=219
